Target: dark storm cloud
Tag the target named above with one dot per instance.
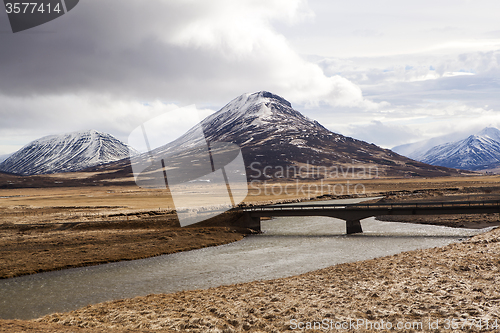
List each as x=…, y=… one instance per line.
x=175, y=50
x=113, y=46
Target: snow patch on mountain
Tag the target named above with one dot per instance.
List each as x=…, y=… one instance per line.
x=251, y=119
x=264, y=114
x=490, y=132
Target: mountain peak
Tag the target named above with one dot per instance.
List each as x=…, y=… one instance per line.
x=264, y=114
x=490, y=132
x=271, y=96
x=246, y=101
x=68, y=136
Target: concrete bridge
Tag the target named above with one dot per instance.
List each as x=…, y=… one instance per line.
x=354, y=213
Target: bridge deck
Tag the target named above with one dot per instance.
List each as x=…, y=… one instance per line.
x=360, y=206
x=353, y=213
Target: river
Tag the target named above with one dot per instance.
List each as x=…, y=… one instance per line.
x=288, y=246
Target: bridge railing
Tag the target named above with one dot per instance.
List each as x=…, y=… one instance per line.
x=362, y=206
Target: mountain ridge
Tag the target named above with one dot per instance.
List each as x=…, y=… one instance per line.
x=264, y=125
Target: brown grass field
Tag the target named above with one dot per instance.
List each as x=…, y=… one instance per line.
x=43, y=229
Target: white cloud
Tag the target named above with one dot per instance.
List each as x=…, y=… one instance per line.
x=361, y=28
x=428, y=122
x=384, y=134
x=243, y=35
x=238, y=28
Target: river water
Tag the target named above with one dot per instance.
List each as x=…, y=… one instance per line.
x=288, y=246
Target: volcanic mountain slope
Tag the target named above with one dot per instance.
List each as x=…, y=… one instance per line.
x=65, y=153
x=476, y=152
x=272, y=134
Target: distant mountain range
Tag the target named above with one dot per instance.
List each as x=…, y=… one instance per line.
x=270, y=133
x=67, y=152
x=479, y=151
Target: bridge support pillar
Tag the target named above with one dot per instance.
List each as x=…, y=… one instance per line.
x=248, y=221
x=353, y=227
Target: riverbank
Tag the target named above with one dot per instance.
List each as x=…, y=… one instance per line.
x=459, y=281
x=469, y=221
x=34, y=248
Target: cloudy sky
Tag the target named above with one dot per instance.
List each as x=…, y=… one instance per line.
x=388, y=72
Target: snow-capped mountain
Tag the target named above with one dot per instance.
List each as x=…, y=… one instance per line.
x=476, y=152
x=417, y=150
x=261, y=120
x=64, y=153
x=273, y=134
